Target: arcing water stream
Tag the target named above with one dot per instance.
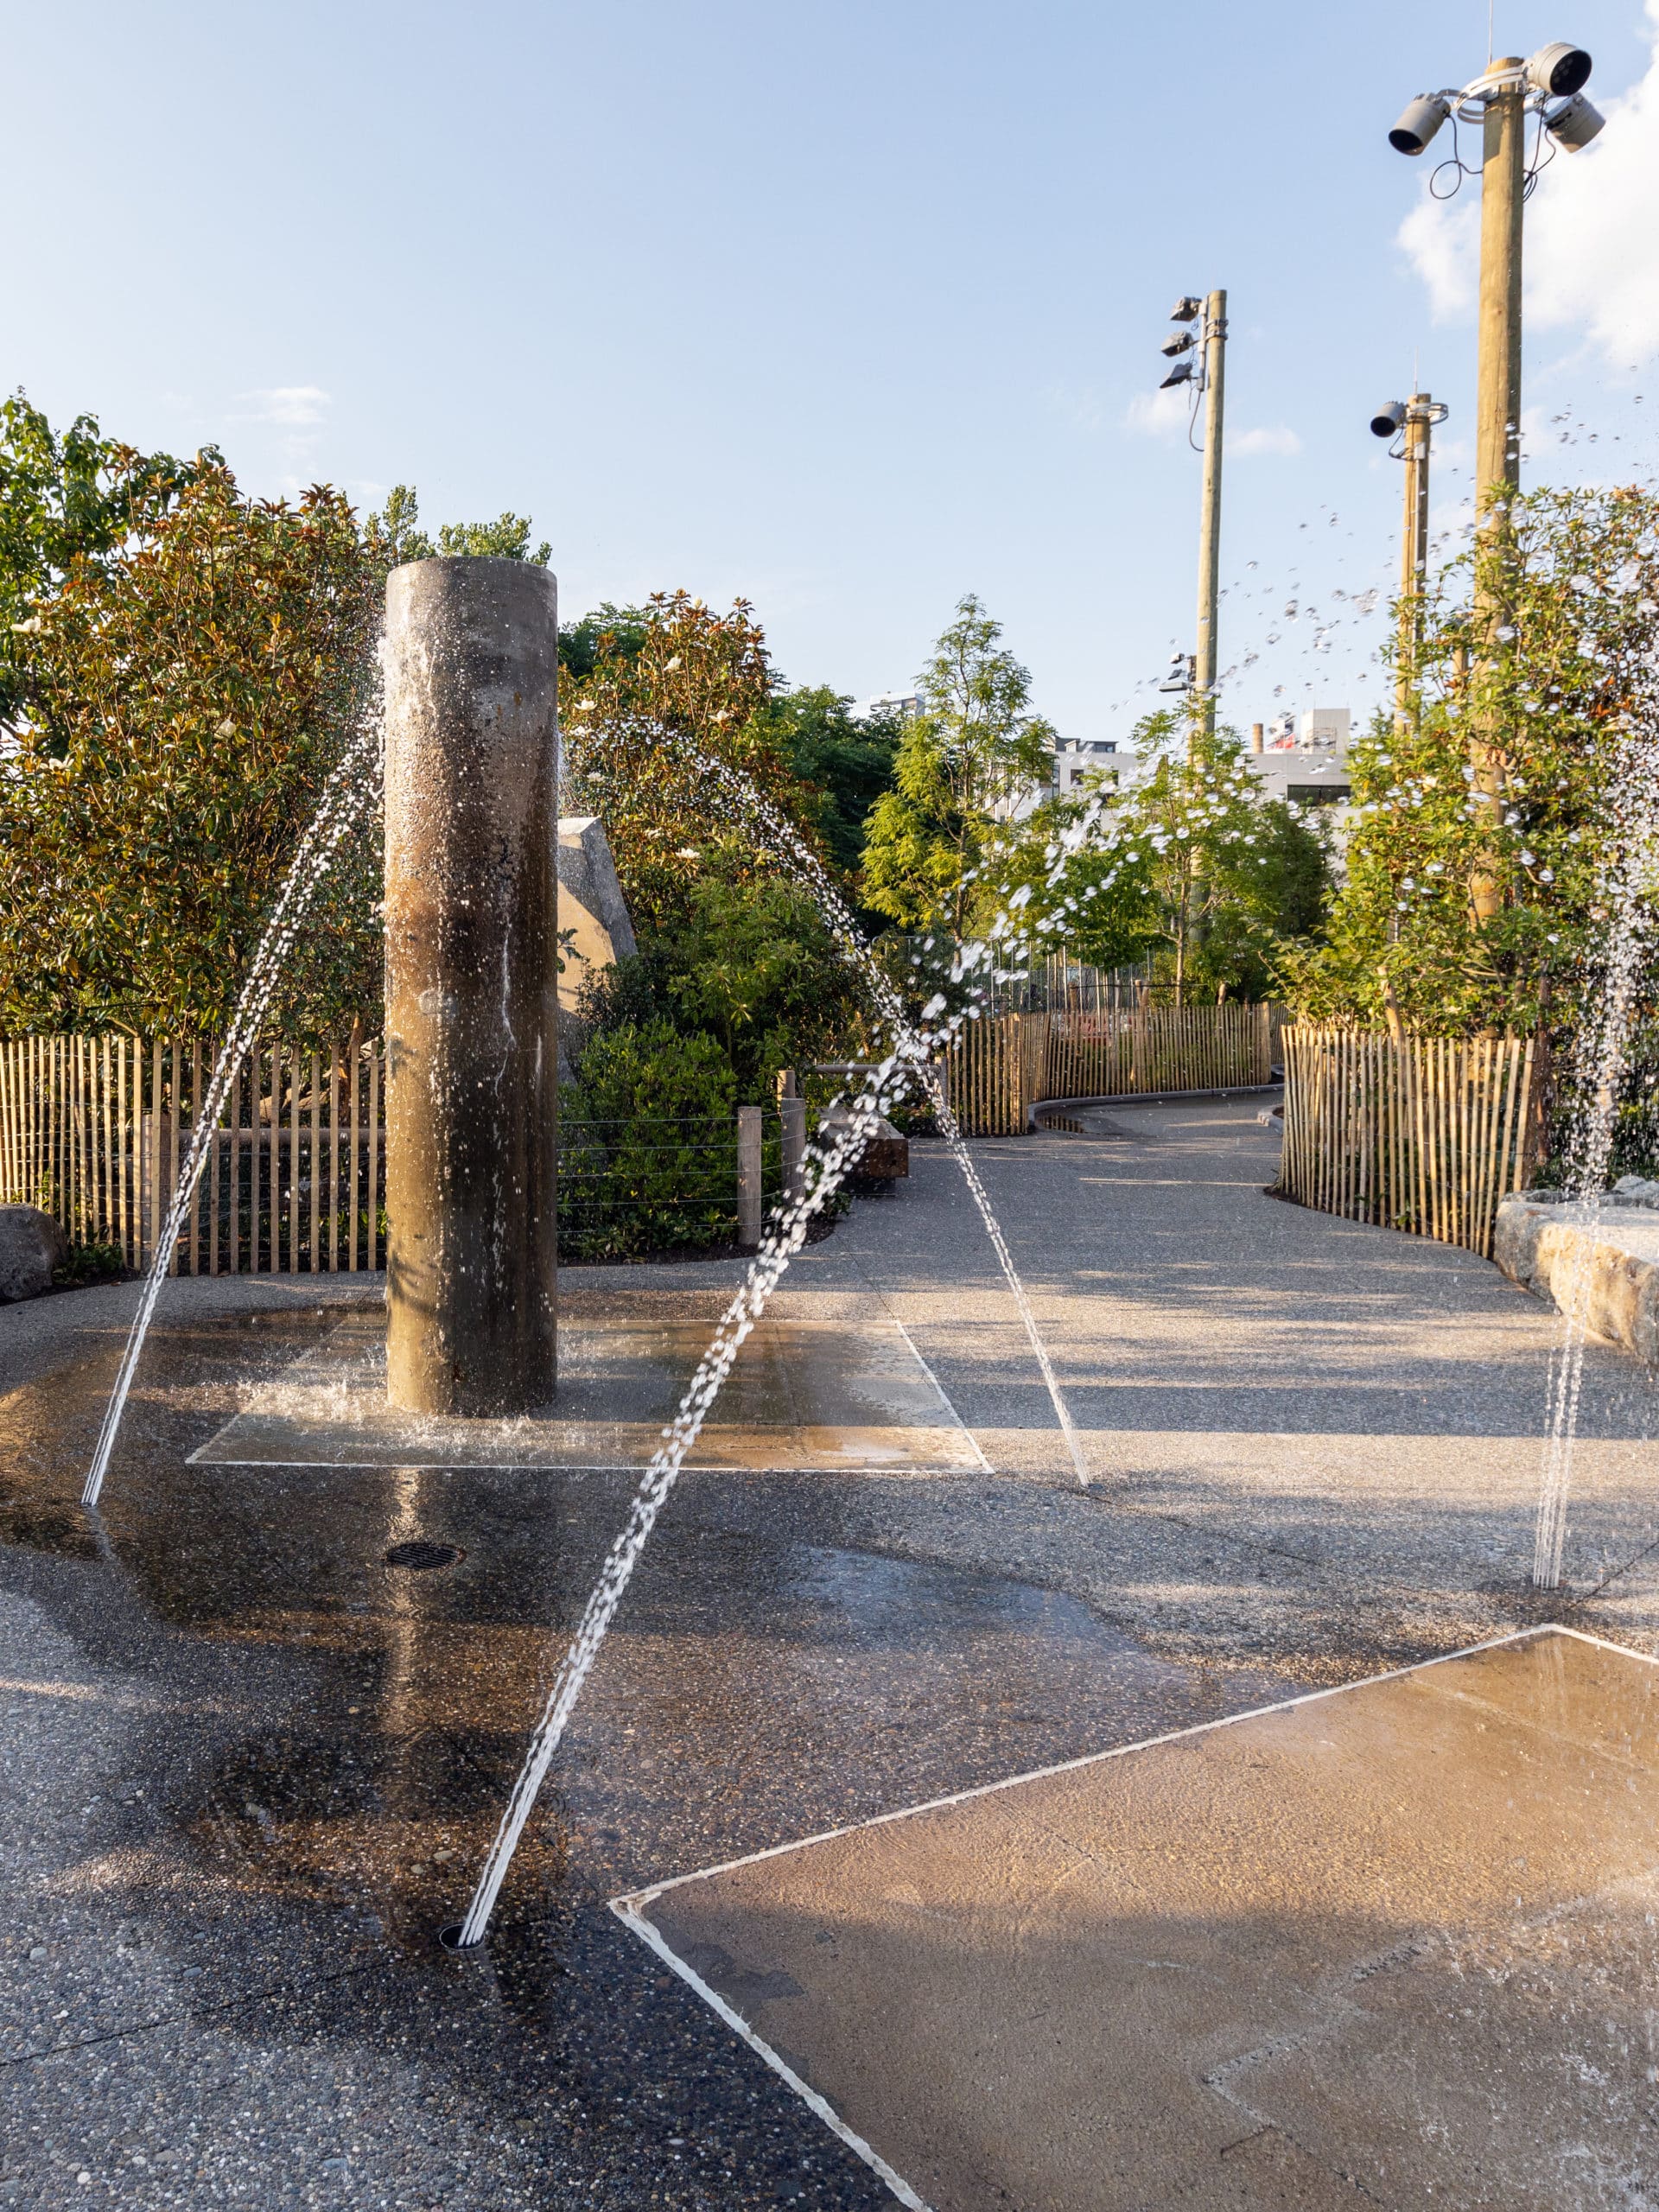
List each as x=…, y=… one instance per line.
x=908, y=1065
x=347, y=790
x=1630, y=891
x=826, y=1168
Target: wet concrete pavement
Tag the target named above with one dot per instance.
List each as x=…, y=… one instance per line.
x=1394, y=1944
x=249, y=1768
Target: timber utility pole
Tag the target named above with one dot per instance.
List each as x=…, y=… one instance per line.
x=1549, y=83
x=1199, y=356
x=1410, y=424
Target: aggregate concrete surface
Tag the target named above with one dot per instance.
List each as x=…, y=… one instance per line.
x=250, y=1769
x=1240, y=1960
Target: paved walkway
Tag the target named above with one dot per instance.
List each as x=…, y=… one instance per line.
x=249, y=1767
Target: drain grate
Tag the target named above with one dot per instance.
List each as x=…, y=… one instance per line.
x=419, y=1555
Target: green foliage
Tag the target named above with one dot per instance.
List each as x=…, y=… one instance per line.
x=648, y=1159
x=620, y=631
x=749, y=963
x=965, y=758
x=65, y=499
x=696, y=680
x=1537, y=726
x=191, y=690
x=849, y=763
x=1192, y=865
x=90, y=1263
x=395, y=535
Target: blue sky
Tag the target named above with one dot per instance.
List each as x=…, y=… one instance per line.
x=849, y=309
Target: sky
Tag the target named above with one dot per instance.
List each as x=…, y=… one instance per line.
x=848, y=309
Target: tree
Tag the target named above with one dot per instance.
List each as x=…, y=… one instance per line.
x=64, y=498
x=970, y=755
x=1573, y=675
x=191, y=688
x=620, y=631
x=1192, y=864
x=748, y=961
x=395, y=535
x=697, y=683
x=850, y=763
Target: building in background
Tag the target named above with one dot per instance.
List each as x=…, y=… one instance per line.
x=1304, y=758
x=905, y=705
x=1077, y=759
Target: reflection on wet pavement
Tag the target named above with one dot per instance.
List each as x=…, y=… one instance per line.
x=301, y=1751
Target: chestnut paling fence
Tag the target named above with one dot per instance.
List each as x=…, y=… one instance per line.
x=96, y=1130
x=1001, y=1066
x=1420, y=1134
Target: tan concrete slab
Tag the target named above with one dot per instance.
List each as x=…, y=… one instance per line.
x=1390, y=1944
x=847, y=1395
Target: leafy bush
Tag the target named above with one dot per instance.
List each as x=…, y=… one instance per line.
x=88, y=1263
x=648, y=1150
x=749, y=962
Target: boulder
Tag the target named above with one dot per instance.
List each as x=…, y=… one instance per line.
x=593, y=910
x=31, y=1245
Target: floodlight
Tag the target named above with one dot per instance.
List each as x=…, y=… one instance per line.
x=1185, y=309
x=1388, y=419
x=1177, y=342
x=1575, y=124
x=1181, y=373
x=1559, y=70
x=1420, y=122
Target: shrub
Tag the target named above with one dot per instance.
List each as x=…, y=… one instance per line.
x=648, y=1151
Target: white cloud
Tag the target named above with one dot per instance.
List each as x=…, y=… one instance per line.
x=1166, y=414
x=1592, y=248
x=1441, y=240
x=1591, y=257
x=1160, y=414
x=1280, y=439
x=294, y=406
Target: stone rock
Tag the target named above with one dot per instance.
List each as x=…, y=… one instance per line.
x=592, y=907
x=31, y=1245
x=1560, y=1257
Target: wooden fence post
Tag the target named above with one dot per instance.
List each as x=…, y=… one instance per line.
x=749, y=1200
x=792, y=1111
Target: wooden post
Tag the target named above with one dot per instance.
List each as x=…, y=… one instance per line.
x=750, y=1201
x=792, y=1110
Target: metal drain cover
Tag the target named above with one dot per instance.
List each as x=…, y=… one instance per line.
x=419, y=1555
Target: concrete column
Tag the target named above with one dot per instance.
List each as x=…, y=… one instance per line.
x=471, y=986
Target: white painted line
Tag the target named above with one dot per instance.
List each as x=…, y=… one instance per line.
x=623, y=1907
x=653, y=1891
x=944, y=1399
x=630, y=1909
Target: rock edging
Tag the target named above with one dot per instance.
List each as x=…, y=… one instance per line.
x=1572, y=1255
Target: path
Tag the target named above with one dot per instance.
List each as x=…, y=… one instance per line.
x=245, y=1763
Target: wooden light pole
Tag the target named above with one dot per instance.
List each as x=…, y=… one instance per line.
x=1215, y=381
x=1497, y=431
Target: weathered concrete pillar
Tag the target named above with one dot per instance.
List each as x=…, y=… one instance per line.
x=471, y=986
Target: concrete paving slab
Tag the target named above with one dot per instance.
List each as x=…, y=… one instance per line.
x=1390, y=1944
x=805, y=1396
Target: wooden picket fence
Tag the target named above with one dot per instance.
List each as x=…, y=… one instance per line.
x=1422, y=1133
x=96, y=1130
x=999, y=1068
